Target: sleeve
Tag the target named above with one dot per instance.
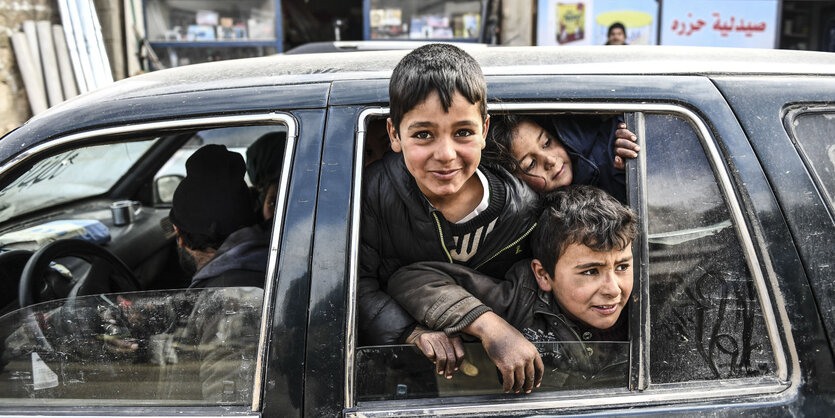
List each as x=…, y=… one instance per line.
x=381, y=319
x=450, y=297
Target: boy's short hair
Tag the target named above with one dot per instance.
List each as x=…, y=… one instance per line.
x=443, y=68
x=580, y=214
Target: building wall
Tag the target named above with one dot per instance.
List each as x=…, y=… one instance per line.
x=14, y=107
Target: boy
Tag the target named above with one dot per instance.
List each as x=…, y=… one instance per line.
x=575, y=288
x=430, y=199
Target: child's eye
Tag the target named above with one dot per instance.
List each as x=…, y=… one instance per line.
x=589, y=272
x=529, y=166
x=622, y=267
x=464, y=132
x=422, y=135
x=547, y=142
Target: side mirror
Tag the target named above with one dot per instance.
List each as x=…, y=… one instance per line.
x=164, y=188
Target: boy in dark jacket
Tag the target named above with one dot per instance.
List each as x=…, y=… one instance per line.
x=432, y=199
x=574, y=290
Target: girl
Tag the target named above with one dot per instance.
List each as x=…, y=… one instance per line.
x=548, y=152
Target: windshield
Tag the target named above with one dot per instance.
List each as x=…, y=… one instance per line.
x=72, y=175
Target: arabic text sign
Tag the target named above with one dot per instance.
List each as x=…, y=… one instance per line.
x=735, y=23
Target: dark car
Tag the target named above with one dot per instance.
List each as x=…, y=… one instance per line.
x=732, y=311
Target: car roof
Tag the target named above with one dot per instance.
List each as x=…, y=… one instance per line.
x=217, y=78
x=615, y=60
x=373, y=45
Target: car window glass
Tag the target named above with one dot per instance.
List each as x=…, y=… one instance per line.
x=402, y=371
x=813, y=132
x=235, y=139
x=194, y=347
x=78, y=173
x=706, y=317
x=69, y=343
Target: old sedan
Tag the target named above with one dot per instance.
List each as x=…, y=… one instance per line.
x=732, y=311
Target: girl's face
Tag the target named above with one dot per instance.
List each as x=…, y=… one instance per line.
x=544, y=162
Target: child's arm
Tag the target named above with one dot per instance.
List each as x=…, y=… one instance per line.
x=449, y=297
x=438, y=295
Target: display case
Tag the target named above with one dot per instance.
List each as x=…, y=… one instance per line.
x=191, y=31
x=445, y=20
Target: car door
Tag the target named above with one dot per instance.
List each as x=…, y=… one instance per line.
x=259, y=333
x=790, y=129
x=706, y=324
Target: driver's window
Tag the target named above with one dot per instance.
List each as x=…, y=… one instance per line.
x=194, y=347
x=103, y=302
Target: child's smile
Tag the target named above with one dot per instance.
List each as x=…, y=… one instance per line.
x=543, y=160
x=442, y=150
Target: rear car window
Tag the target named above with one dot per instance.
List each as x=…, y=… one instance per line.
x=706, y=317
x=812, y=131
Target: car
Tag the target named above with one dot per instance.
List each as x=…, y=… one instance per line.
x=375, y=45
x=732, y=312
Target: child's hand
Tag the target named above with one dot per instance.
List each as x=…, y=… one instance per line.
x=446, y=352
x=517, y=359
x=625, y=146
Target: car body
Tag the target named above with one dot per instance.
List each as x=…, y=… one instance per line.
x=732, y=310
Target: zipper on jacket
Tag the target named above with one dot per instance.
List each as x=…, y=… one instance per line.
x=561, y=319
x=512, y=244
x=441, y=234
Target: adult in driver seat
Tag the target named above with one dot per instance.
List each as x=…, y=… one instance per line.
x=218, y=241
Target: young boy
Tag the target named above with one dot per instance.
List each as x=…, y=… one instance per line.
x=431, y=199
x=575, y=288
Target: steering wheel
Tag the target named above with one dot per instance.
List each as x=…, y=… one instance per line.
x=107, y=273
x=11, y=268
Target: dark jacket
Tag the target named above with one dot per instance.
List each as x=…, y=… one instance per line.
x=590, y=142
x=450, y=297
x=400, y=227
x=240, y=261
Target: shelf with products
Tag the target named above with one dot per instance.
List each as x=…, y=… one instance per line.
x=432, y=20
x=253, y=26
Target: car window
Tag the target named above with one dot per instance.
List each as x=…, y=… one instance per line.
x=706, y=317
x=99, y=309
x=186, y=347
x=235, y=139
x=394, y=372
x=813, y=133
x=77, y=173
x=403, y=372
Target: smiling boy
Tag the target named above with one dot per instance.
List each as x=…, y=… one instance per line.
x=576, y=288
x=431, y=199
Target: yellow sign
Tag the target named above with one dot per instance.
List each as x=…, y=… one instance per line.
x=571, y=18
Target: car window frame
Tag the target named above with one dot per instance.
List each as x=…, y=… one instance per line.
x=640, y=388
x=163, y=127
x=789, y=117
